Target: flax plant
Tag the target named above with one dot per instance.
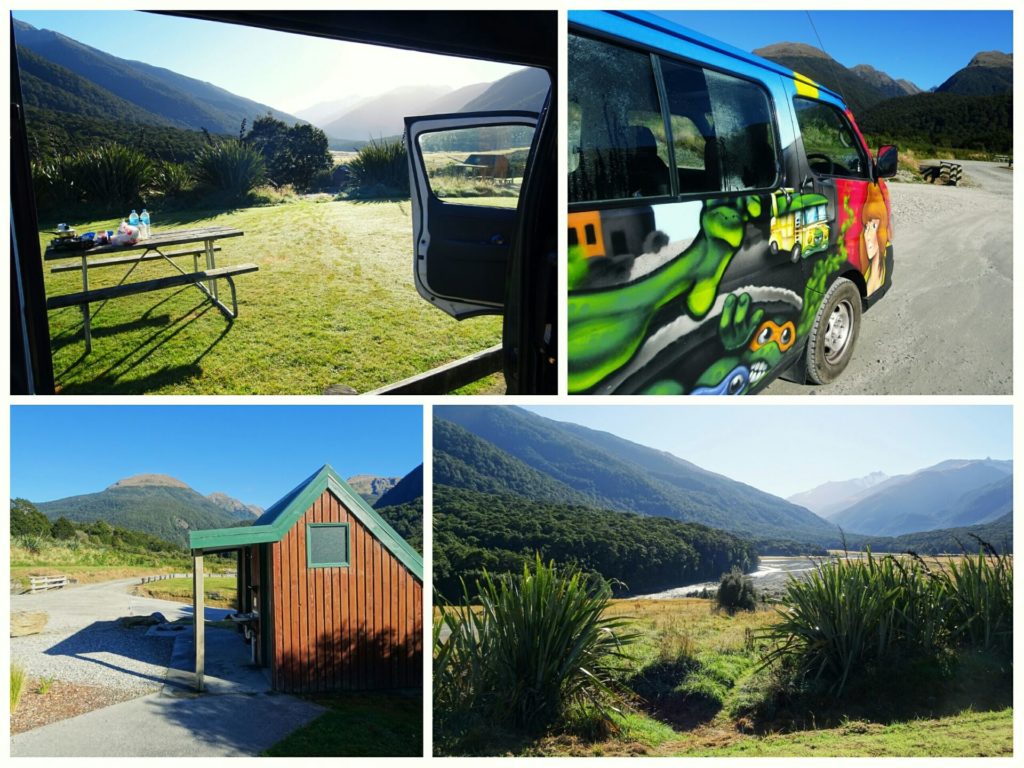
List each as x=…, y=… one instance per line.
x=536, y=645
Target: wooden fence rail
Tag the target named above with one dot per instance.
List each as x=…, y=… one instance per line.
x=45, y=583
x=165, y=576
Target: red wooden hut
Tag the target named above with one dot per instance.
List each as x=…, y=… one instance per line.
x=330, y=596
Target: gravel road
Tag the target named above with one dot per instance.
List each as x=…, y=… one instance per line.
x=945, y=327
x=83, y=642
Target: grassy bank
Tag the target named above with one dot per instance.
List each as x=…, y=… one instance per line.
x=333, y=303
x=87, y=563
x=701, y=691
x=220, y=591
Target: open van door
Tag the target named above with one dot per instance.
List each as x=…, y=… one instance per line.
x=466, y=171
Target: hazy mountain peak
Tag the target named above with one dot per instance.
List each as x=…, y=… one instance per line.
x=136, y=481
x=790, y=49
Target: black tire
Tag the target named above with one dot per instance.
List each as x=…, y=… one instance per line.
x=774, y=248
x=794, y=255
x=834, y=333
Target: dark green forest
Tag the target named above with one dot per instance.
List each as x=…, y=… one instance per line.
x=28, y=523
x=476, y=531
x=937, y=120
x=407, y=520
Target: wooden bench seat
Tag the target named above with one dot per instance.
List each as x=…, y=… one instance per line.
x=144, y=286
x=130, y=259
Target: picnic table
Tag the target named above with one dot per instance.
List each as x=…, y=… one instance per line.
x=194, y=242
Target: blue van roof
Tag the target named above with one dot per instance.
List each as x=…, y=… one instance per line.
x=660, y=24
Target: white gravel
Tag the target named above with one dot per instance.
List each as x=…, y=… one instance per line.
x=84, y=643
x=104, y=654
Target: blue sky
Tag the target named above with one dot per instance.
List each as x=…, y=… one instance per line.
x=285, y=71
x=786, y=449
x=904, y=44
x=254, y=453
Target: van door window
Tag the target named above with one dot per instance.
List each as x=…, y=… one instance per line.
x=477, y=165
x=831, y=147
x=721, y=130
x=615, y=123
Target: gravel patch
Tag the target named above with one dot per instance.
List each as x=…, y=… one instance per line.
x=102, y=654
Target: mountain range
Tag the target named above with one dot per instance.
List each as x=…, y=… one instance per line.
x=508, y=451
x=154, y=95
x=548, y=460
x=65, y=77
x=168, y=508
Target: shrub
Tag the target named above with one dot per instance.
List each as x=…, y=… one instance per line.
x=53, y=184
x=885, y=614
x=735, y=592
x=537, y=646
x=174, y=180
x=17, y=683
x=231, y=168
x=111, y=175
x=381, y=169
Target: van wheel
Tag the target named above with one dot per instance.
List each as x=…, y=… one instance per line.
x=794, y=255
x=774, y=248
x=834, y=332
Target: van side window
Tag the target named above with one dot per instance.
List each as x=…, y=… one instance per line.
x=615, y=123
x=831, y=147
x=721, y=130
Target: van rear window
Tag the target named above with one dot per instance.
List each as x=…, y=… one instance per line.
x=713, y=134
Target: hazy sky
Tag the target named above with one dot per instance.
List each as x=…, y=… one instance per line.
x=925, y=47
x=254, y=453
x=786, y=449
x=285, y=71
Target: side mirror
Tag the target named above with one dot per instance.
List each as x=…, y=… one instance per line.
x=888, y=159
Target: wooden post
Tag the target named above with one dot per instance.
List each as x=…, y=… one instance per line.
x=198, y=615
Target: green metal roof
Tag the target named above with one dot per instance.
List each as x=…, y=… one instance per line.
x=273, y=524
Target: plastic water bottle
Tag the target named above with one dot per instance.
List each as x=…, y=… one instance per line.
x=144, y=219
x=133, y=219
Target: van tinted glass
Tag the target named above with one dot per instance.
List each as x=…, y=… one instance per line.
x=614, y=124
x=721, y=130
x=831, y=147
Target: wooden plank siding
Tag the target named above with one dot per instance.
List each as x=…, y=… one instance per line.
x=355, y=627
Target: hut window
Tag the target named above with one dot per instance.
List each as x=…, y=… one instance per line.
x=327, y=545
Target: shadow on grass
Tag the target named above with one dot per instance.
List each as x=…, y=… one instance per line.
x=657, y=686
x=114, y=379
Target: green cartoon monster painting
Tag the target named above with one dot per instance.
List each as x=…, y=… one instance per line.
x=606, y=327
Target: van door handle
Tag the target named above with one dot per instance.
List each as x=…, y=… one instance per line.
x=497, y=239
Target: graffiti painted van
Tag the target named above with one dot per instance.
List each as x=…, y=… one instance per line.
x=727, y=222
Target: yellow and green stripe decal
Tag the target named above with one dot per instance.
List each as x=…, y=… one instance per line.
x=805, y=86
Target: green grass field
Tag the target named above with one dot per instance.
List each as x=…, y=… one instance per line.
x=359, y=725
x=220, y=591
x=699, y=688
x=333, y=303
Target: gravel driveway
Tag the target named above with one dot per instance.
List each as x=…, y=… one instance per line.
x=84, y=643
x=945, y=327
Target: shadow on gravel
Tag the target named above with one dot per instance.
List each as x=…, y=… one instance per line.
x=111, y=645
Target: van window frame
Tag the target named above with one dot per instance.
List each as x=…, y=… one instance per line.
x=656, y=54
x=840, y=112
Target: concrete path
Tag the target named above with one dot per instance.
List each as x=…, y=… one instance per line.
x=237, y=715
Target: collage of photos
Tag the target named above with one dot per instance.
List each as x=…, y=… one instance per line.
x=539, y=232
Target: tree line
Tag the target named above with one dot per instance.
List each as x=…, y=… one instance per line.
x=498, y=533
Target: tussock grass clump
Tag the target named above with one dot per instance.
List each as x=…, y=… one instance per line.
x=536, y=648
x=17, y=684
x=380, y=170
x=231, y=168
x=889, y=614
x=735, y=592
